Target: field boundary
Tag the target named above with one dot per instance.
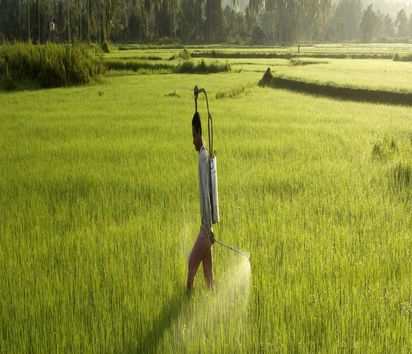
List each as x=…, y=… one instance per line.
x=274, y=55
x=346, y=93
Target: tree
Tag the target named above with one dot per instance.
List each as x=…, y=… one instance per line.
x=369, y=24
x=236, y=27
x=388, y=29
x=215, y=22
x=346, y=19
x=312, y=19
x=268, y=21
x=282, y=21
x=410, y=25
x=402, y=23
x=189, y=19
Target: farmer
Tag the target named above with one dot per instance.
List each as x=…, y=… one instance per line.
x=202, y=249
x=52, y=30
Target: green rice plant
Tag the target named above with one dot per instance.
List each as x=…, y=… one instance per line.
x=402, y=57
x=183, y=68
x=287, y=55
x=137, y=65
x=331, y=89
x=184, y=54
x=202, y=67
x=50, y=65
x=222, y=54
x=99, y=210
x=172, y=94
x=396, y=153
x=306, y=62
x=8, y=80
x=105, y=47
x=234, y=92
x=373, y=75
x=384, y=149
x=402, y=173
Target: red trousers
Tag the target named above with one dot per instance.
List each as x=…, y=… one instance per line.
x=201, y=252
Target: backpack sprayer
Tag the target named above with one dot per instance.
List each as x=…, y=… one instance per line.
x=214, y=200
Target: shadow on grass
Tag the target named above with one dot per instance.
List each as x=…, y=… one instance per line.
x=149, y=343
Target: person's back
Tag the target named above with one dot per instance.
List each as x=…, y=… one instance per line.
x=204, y=188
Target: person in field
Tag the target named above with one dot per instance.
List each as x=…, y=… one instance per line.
x=202, y=249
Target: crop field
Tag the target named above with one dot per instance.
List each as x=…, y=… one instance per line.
x=100, y=209
x=379, y=74
x=324, y=49
x=382, y=74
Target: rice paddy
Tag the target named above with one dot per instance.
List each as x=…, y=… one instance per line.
x=99, y=211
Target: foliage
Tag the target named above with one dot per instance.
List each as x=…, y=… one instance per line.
x=402, y=57
x=402, y=24
x=136, y=65
x=184, y=54
x=258, y=36
x=234, y=92
x=202, y=67
x=402, y=173
x=105, y=47
x=369, y=24
x=198, y=21
x=49, y=65
x=183, y=68
x=397, y=152
x=345, y=21
x=273, y=54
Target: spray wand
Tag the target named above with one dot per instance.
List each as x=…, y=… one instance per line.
x=233, y=249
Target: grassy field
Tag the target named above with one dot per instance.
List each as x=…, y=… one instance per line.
x=99, y=209
x=378, y=74
x=339, y=48
x=384, y=75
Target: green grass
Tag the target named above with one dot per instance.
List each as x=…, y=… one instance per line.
x=371, y=74
x=372, y=49
x=378, y=74
x=185, y=67
x=350, y=50
x=99, y=210
x=27, y=65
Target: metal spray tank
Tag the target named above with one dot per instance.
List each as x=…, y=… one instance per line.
x=214, y=197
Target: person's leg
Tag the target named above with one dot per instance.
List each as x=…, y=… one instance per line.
x=207, y=266
x=196, y=257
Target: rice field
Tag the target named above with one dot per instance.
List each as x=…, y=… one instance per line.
x=384, y=74
x=99, y=211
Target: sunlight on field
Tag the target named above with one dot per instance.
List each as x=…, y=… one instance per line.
x=211, y=312
x=99, y=211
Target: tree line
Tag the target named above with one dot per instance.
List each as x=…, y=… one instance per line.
x=199, y=21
